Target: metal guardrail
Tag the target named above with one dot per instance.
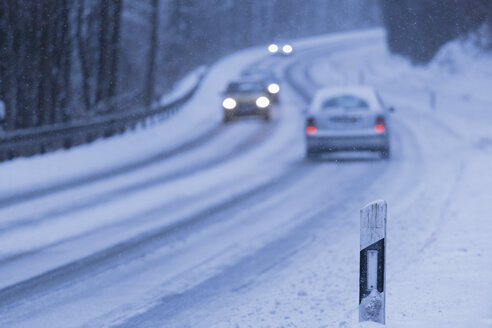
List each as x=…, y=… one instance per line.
x=28, y=142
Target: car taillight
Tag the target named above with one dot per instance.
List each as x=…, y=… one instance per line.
x=310, y=126
x=380, y=125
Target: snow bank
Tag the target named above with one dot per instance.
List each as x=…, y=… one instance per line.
x=184, y=85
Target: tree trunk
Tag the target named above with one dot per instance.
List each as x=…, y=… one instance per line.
x=115, y=48
x=104, y=52
x=82, y=52
x=150, y=83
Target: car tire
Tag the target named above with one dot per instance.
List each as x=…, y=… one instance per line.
x=267, y=117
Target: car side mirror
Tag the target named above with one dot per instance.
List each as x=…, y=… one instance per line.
x=391, y=109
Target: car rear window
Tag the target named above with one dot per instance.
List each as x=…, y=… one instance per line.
x=245, y=87
x=345, y=102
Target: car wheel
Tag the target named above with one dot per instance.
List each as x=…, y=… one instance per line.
x=226, y=119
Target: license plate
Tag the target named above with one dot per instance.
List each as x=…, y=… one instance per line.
x=345, y=119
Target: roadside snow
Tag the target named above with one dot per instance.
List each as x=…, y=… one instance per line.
x=184, y=85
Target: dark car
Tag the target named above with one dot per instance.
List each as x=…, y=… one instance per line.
x=246, y=97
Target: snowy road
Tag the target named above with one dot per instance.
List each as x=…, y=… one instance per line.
x=195, y=224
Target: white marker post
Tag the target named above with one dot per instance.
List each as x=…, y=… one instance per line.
x=372, y=262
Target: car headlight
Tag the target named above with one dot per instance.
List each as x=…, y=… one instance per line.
x=273, y=88
x=287, y=49
x=273, y=48
x=262, y=102
x=229, y=103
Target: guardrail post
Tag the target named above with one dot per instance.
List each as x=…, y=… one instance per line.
x=372, y=262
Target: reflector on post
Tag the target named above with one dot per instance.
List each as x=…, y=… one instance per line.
x=372, y=262
x=372, y=269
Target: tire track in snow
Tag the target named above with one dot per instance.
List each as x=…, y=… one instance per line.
x=258, y=136
x=307, y=85
x=135, y=247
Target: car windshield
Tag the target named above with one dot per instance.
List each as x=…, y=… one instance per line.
x=345, y=102
x=245, y=87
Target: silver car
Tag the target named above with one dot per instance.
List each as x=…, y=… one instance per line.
x=345, y=119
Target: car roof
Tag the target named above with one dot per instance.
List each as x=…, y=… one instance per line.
x=367, y=93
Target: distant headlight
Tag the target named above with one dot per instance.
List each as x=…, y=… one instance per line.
x=273, y=48
x=273, y=88
x=262, y=102
x=229, y=103
x=287, y=49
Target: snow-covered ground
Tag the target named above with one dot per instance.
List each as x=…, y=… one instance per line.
x=190, y=223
